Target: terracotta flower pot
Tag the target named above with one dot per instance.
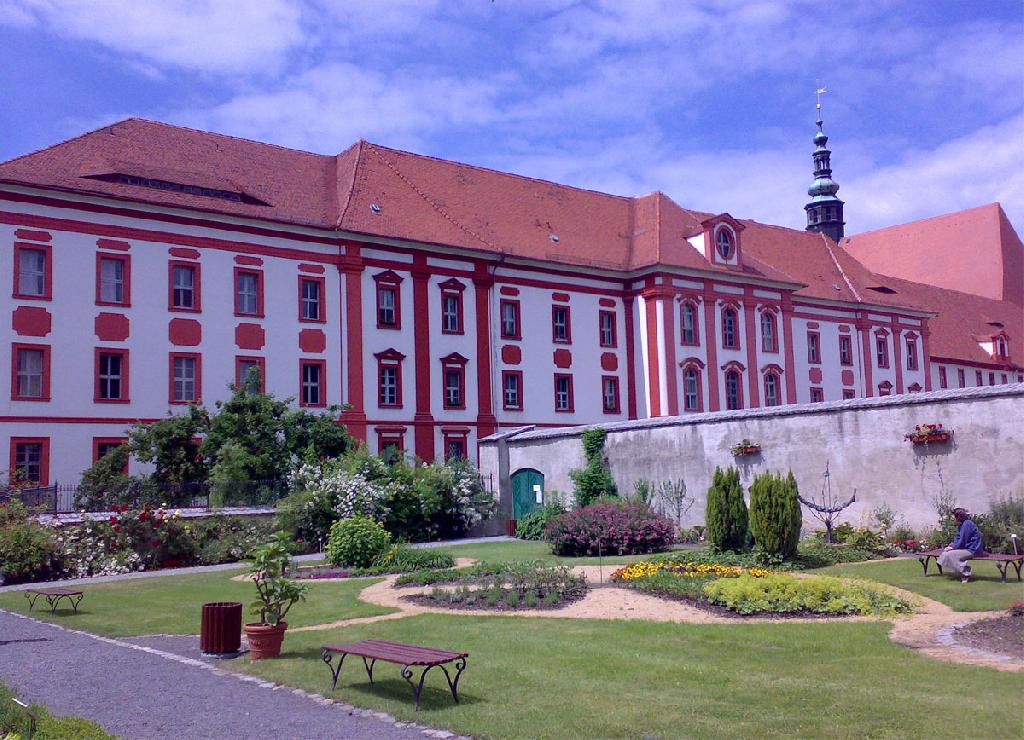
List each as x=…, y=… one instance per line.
x=265, y=639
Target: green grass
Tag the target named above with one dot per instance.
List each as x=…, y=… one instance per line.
x=634, y=679
x=171, y=604
x=984, y=592
x=16, y=721
x=530, y=550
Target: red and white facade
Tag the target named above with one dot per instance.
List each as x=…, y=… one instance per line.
x=129, y=301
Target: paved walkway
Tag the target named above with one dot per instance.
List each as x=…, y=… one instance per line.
x=137, y=691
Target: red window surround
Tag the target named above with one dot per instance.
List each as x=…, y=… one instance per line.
x=693, y=395
x=882, y=348
x=689, y=324
x=246, y=361
x=911, y=342
x=452, y=307
x=845, y=350
x=103, y=445
x=456, y=443
x=814, y=348
x=564, y=394
x=389, y=379
x=769, y=331
x=45, y=349
x=126, y=278
x=817, y=395
x=311, y=311
x=197, y=380
x=98, y=371
x=849, y=393
x=511, y=319
x=610, y=394
x=197, y=292
x=47, y=252
x=241, y=273
x=506, y=395
x=389, y=299
x=312, y=383
x=390, y=437
x=942, y=378
x=561, y=324
x=607, y=331
x=453, y=381
x=18, y=444
x=730, y=327
x=885, y=388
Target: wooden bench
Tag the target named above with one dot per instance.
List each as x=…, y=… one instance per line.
x=398, y=652
x=53, y=597
x=1003, y=562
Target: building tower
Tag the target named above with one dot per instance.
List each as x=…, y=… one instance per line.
x=825, y=211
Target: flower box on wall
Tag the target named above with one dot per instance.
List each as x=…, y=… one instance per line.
x=924, y=434
x=745, y=447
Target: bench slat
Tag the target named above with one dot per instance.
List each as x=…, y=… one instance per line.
x=397, y=652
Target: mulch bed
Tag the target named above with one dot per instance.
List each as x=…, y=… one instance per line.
x=1003, y=636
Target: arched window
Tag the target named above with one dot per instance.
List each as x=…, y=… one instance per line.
x=1002, y=347
x=723, y=242
x=691, y=389
x=733, y=390
x=768, y=343
x=688, y=323
x=771, y=389
x=730, y=335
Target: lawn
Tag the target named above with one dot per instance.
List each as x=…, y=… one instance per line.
x=983, y=593
x=601, y=678
x=171, y=604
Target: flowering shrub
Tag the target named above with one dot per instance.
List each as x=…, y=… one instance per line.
x=910, y=545
x=28, y=550
x=346, y=493
x=610, y=528
x=647, y=568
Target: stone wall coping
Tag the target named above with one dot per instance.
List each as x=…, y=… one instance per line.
x=952, y=395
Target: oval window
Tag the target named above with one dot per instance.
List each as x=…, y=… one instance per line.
x=724, y=241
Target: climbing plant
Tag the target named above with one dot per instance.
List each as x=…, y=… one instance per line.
x=595, y=479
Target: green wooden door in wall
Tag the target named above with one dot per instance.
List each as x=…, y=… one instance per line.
x=526, y=484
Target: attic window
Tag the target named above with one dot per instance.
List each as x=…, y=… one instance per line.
x=177, y=187
x=375, y=207
x=554, y=238
x=835, y=286
x=882, y=289
x=996, y=324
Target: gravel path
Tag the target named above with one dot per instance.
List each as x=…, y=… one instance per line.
x=143, y=692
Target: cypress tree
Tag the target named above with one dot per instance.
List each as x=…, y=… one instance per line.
x=726, y=513
x=775, y=517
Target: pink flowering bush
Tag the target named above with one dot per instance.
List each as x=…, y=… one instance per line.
x=610, y=529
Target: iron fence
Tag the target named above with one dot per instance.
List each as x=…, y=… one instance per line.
x=64, y=498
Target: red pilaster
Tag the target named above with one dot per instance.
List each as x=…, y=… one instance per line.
x=423, y=421
x=749, y=326
x=653, y=368
x=711, y=340
x=627, y=305
x=897, y=354
x=789, y=353
x=352, y=266
x=926, y=361
x=668, y=310
x=486, y=423
x=867, y=357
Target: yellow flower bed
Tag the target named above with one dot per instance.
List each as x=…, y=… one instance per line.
x=645, y=568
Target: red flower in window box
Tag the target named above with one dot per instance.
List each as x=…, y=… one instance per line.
x=745, y=447
x=924, y=434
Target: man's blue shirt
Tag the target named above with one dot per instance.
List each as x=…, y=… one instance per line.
x=968, y=538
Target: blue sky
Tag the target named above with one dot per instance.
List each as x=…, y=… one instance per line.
x=710, y=101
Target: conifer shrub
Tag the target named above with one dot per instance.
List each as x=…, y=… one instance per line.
x=775, y=516
x=726, y=512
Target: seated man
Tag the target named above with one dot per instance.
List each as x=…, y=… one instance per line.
x=966, y=546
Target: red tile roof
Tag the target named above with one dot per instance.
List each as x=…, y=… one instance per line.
x=373, y=190
x=976, y=251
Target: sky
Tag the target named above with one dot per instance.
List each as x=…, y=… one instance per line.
x=710, y=101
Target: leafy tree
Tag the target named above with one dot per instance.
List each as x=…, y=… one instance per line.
x=595, y=479
x=171, y=446
x=775, y=517
x=105, y=482
x=726, y=512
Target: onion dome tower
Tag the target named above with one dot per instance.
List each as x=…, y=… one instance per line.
x=825, y=210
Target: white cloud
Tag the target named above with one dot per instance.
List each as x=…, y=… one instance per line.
x=237, y=36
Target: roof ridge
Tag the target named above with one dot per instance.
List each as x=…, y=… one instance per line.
x=65, y=141
x=431, y=202
x=846, y=279
x=225, y=136
x=502, y=172
x=343, y=209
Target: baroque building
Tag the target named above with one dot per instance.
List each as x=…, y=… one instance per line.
x=439, y=302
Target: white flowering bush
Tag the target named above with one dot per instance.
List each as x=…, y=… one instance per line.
x=84, y=551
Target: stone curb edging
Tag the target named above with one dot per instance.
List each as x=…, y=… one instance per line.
x=262, y=683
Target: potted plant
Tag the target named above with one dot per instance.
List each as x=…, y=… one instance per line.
x=277, y=594
x=745, y=447
x=926, y=433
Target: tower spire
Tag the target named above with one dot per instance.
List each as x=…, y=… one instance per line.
x=825, y=210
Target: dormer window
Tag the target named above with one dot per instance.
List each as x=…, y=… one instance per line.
x=1002, y=347
x=723, y=243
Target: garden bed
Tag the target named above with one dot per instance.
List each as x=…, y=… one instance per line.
x=508, y=587
x=1002, y=636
